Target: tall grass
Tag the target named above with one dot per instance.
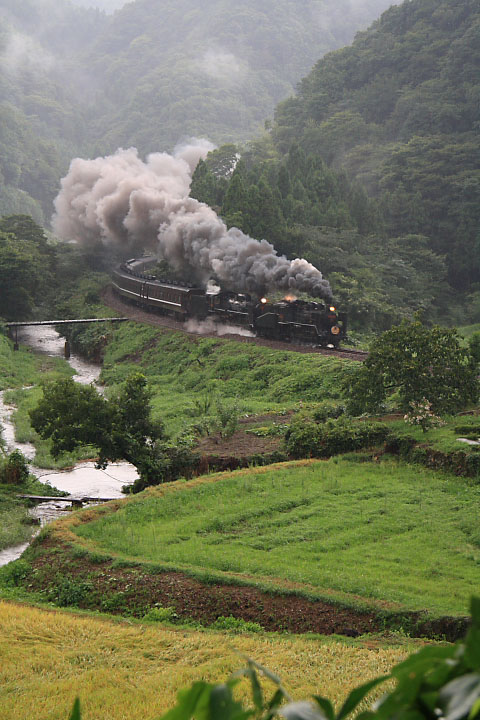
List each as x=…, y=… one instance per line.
x=15, y=527
x=127, y=671
x=385, y=531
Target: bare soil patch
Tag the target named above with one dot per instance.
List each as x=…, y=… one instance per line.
x=133, y=591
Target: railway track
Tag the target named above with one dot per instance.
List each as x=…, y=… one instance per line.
x=140, y=315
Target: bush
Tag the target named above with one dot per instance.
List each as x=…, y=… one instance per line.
x=236, y=625
x=305, y=438
x=69, y=591
x=15, y=573
x=161, y=614
x=400, y=444
x=325, y=411
x=14, y=470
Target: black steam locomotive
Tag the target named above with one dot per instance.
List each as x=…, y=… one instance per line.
x=288, y=320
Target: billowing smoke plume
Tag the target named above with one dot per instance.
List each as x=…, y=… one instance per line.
x=122, y=200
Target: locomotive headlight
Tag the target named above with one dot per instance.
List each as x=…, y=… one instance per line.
x=335, y=330
x=332, y=308
x=263, y=301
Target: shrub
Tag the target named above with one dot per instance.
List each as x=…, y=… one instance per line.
x=14, y=470
x=305, y=438
x=400, y=444
x=324, y=411
x=420, y=413
x=15, y=573
x=69, y=591
x=236, y=625
x=161, y=614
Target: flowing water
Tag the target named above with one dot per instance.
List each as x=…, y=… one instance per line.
x=82, y=481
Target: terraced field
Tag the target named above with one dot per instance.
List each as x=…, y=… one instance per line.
x=370, y=534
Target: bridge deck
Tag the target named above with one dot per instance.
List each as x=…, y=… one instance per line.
x=65, y=322
x=46, y=498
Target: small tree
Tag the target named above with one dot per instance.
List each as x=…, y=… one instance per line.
x=415, y=362
x=14, y=470
x=73, y=415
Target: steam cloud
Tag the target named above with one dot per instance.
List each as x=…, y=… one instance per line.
x=124, y=201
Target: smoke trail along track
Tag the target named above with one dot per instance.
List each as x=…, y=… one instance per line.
x=125, y=202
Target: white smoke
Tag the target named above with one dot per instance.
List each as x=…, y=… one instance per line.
x=209, y=326
x=193, y=150
x=124, y=201
x=24, y=52
x=223, y=66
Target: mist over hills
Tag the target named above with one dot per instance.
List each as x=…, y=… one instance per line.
x=400, y=110
x=76, y=81
x=372, y=170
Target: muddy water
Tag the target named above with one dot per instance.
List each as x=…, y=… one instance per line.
x=82, y=481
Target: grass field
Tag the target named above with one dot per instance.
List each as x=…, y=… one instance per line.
x=182, y=370
x=125, y=671
x=384, y=531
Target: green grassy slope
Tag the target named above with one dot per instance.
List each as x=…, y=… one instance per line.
x=380, y=531
x=182, y=370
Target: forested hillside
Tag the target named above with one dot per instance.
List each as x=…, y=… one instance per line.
x=76, y=81
x=171, y=69
x=400, y=110
x=42, y=96
x=372, y=171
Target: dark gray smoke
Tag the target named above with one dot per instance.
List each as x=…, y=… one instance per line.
x=122, y=200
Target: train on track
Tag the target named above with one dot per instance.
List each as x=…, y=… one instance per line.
x=289, y=320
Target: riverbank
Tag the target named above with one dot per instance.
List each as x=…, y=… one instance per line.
x=40, y=358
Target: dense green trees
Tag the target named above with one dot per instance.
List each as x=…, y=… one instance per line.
x=76, y=81
x=399, y=110
x=26, y=267
x=419, y=365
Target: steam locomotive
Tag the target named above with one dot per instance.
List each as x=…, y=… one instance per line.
x=288, y=320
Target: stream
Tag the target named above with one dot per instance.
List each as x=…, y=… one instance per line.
x=84, y=480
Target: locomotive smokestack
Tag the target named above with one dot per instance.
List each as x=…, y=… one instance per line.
x=124, y=201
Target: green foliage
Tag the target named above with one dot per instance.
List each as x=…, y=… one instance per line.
x=68, y=591
x=161, y=614
x=25, y=267
x=14, y=469
x=398, y=109
x=416, y=363
x=73, y=415
x=236, y=625
x=14, y=573
x=228, y=414
x=306, y=438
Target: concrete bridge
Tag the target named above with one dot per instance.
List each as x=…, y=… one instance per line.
x=76, y=501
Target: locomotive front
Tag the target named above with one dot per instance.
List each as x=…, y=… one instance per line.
x=300, y=320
